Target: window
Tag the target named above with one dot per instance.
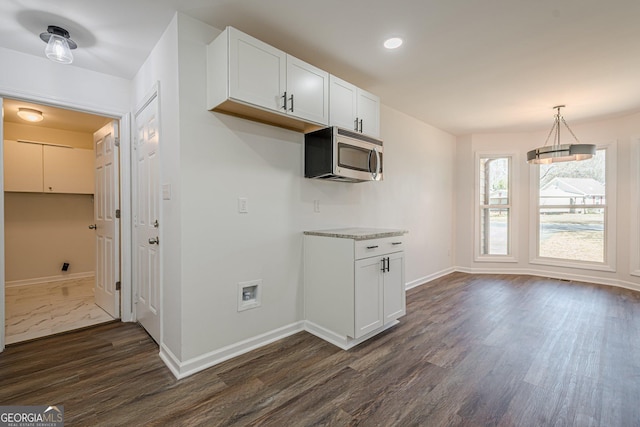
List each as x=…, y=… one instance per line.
x=634, y=234
x=494, y=210
x=574, y=205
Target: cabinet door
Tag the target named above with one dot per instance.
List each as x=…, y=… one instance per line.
x=342, y=101
x=369, y=113
x=68, y=170
x=22, y=167
x=368, y=296
x=307, y=91
x=257, y=71
x=394, y=292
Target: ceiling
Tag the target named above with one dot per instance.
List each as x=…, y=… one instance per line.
x=54, y=118
x=467, y=66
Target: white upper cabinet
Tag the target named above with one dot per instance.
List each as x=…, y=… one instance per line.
x=257, y=71
x=307, y=91
x=22, y=167
x=68, y=170
x=249, y=78
x=37, y=168
x=353, y=108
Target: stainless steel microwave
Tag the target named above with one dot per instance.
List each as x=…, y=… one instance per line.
x=339, y=154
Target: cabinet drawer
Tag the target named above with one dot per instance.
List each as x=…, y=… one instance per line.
x=375, y=247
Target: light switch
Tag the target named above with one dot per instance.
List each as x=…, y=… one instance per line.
x=243, y=205
x=316, y=206
x=166, y=191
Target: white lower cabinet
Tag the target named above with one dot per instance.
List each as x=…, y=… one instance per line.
x=353, y=289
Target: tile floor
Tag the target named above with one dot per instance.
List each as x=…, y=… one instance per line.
x=34, y=311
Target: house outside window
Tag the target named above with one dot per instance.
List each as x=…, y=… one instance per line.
x=494, y=208
x=574, y=211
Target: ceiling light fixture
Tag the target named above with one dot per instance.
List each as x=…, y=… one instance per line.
x=393, y=43
x=560, y=152
x=30, y=115
x=59, y=44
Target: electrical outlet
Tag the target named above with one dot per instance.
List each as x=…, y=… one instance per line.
x=243, y=205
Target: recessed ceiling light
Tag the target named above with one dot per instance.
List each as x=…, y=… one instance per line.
x=393, y=43
x=30, y=115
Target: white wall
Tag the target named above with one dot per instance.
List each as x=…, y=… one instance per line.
x=43, y=231
x=27, y=76
x=624, y=131
x=223, y=158
x=15, y=131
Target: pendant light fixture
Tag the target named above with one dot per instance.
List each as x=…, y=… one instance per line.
x=30, y=114
x=59, y=44
x=560, y=152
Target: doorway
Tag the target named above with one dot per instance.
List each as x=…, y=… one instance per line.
x=49, y=206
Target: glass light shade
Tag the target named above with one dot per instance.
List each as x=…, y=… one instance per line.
x=393, y=43
x=30, y=115
x=58, y=50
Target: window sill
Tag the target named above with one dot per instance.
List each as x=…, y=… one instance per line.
x=495, y=258
x=573, y=264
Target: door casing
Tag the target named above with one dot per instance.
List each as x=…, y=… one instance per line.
x=124, y=117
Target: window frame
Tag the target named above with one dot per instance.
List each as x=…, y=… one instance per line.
x=511, y=256
x=609, y=262
x=634, y=215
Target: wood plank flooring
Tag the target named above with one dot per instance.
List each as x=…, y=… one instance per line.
x=473, y=350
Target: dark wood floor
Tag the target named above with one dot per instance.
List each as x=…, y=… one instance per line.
x=472, y=351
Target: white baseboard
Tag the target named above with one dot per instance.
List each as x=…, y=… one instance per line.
x=553, y=275
x=344, y=343
x=184, y=369
x=430, y=277
x=39, y=280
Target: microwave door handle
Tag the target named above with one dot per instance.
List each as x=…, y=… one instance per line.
x=374, y=174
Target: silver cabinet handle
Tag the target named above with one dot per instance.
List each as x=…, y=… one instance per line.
x=93, y=227
x=154, y=241
x=396, y=243
x=291, y=99
x=372, y=247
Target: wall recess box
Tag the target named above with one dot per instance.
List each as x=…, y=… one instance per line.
x=249, y=294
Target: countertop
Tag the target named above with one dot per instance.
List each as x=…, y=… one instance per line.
x=357, y=233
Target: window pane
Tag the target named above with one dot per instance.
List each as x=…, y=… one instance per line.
x=574, y=183
x=494, y=231
x=572, y=234
x=494, y=181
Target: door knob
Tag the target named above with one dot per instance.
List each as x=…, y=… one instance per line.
x=154, y=241
x=93, y=227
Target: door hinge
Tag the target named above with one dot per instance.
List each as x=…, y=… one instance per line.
x=117, y=213
x=117, y=141
x=118, y=286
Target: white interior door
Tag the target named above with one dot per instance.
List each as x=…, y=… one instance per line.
x=107, y=223
x=146, y=218
x=2, y=307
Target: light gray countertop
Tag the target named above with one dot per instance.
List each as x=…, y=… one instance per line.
x=357, y=233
